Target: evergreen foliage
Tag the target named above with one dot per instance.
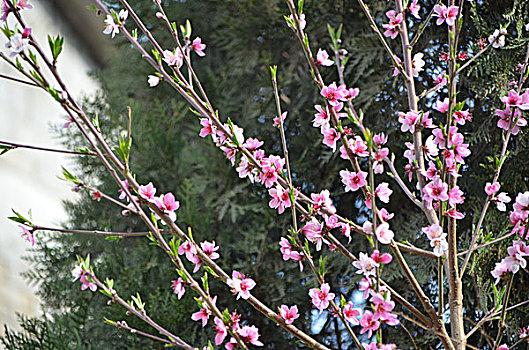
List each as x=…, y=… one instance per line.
x=244, y=38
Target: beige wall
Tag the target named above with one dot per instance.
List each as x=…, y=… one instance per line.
x=28, y=179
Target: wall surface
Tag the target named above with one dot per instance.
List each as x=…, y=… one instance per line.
x=28, y=179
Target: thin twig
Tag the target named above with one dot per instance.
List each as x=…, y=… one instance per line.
x=18, y=145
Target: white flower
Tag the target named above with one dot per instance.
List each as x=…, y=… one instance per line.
x=173, y=58
x=122, y=15
x=440, y=245
x=417, y=64
x=153, y=80
x=365, y=265
x=431, y=147
x=17, y=44
x=501, y=199
x=496, y=40
x=111, y=26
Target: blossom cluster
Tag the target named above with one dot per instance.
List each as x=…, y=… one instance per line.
x=248, y=334
x=512, y=263
x=190, y=251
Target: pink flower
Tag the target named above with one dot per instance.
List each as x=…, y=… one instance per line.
x=330, y=136
x=353, y=181
x=500, y=270
x=442, y=106
x=381, y=258
x=392, y=28
x=440, y=80
x=179, y=287
x=380, y=139
x=302, y=22
x=168, y=204
x=345, y=229
x=385, y=214
x=241, y=284
x=210, y=249
x=351, y=314
x=28, y=234
x=207, y=127
x=252, y=144
x=250, y=334
x=147, y=192
x=436, y=190
x=368, y=323
x=414, y=9
x=220, y=331
x=280, y=199
x=503, y=347
x=288, y=314
x=383, y=192
x=506, y=118
x=518, y=251
x=277, y=122
x=455, y=196
x=321, y=119
x=461, y=117
x=287, y=251
x=188, y=249
x=321, y=297
x=454, y=214
x=322, y=58
x=384, y=234
x=198, y=47
x=490, y=189
x=24, y=4
x=366, y=285
x=448, y=14
x=352, y=93
x=204, y=312
x=334, y=93
x=323, y=201
x=513, y=99
x=357, y=146
x=313, y=230
x=408, y=121
x=86, y=283
x=383, y=307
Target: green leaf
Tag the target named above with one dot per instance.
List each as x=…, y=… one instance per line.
x=210, y=270
x=5, y=148
x=322, y=262
x=123, y=150
x=300, y=6
x=205, y=283
x=110, y=322
x=32, y=57
x=56, y=45
x=67, y=176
